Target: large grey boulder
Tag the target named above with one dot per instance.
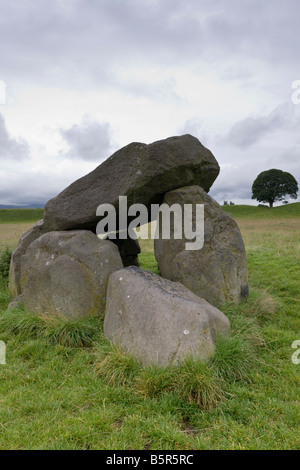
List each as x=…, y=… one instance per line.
x=66, y=273
x=218, y=271
x=159, y=321
x=143, y=173
x=15, y=264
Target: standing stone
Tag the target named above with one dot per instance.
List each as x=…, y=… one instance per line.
x=15, y=264
x=66, y=273
x=217, y=272
x=159, y=321
x=143, y=173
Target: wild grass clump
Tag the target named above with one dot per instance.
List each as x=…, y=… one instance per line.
x=236, y=354
x=5, y=256
x=191, y=380
x=154, y=380
x=22, y=324
x=116, y=366
x=262, y=306
x=197, y=383
x=79, y=333
x=247, y=329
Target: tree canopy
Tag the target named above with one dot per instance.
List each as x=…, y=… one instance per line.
x=273, y=185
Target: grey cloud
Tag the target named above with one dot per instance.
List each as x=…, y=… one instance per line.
x=251, y=130
x=255, y=29
x=39, y=188
x=11, y=148
x=91, y=140
x=237, y=72
x=240, y=167
x=81, y=42
x=162, y=91
x=20, y=185
x=287, y=159
x=192, y=126
x=195, y=127
x=58, y=39
x=231, y=185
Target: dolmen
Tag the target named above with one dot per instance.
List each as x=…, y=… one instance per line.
x=62, y=266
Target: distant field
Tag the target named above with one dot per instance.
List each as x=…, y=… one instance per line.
x=286, y=211
x=13, y=222
x=17, y=216
x=12, y=216
x=10, y=233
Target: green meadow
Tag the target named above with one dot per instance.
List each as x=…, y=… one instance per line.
x=64, y=386
x=20, y=216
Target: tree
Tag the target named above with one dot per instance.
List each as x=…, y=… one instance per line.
x=273, y=185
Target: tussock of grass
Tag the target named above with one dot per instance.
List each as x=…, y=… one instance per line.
x=263, y=307
x=197, y=383
x=260, y=307
x=117, y=367
x=233, y=358
x=54, y=330
x=236, y=354
x=72, y=334
x=246, y=329
x=191, y=380
x=154, y=380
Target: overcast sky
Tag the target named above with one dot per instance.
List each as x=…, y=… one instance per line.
x=80, y=79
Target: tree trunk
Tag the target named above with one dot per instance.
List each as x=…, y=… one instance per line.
x=271, y=203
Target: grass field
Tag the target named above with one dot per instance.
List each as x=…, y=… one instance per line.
x=14, y=222
x=65, y=387
x=17, y=216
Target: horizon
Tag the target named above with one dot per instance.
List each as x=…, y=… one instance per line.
x=276, y=204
